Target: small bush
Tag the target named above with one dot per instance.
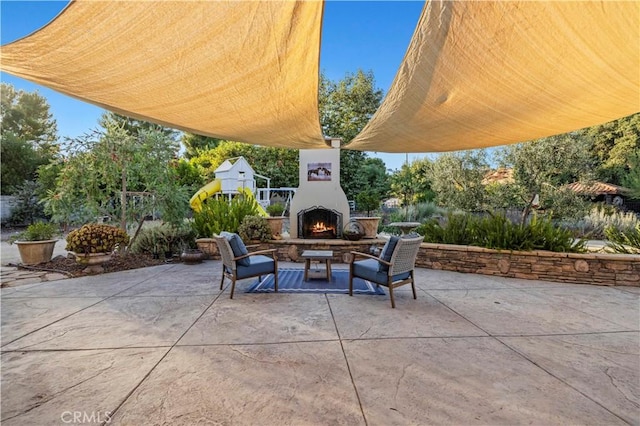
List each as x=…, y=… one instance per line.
x=275, y=209
x=497, y=232
x=163, y=239
x=623, y=240
x=218, y=214
x=38, y=231
x=368, y=201
x=254, y=228
x=600, y=218
x=96, y=238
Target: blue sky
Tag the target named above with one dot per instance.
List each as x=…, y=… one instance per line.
x=371, y=35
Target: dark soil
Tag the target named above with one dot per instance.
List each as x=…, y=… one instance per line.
x=119, y=262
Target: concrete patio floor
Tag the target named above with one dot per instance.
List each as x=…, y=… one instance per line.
x=163, y=345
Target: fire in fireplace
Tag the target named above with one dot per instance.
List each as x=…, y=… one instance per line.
x=319, y=223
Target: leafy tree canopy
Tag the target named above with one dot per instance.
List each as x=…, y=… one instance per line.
x=27, y=136
x=133, y=126
x=543, y=166
x=614, y=143
x=195, y=143
x=27, y=116
x=346, y=106
x=456, y=178
x=106, y=163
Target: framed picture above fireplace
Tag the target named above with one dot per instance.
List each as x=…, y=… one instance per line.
x=318, y=172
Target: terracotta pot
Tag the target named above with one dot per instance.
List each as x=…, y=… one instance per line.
x=275, y=223
x=370, y=225
x=34, y=252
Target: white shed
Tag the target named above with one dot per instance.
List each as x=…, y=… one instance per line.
x=236, y=173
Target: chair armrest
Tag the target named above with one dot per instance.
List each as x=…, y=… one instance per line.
x=370, y=256
x=269, y=251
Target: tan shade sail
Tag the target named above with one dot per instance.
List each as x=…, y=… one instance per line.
x=245, y=71
x=481, y=73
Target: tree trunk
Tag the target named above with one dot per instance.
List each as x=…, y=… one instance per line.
x=123, y=201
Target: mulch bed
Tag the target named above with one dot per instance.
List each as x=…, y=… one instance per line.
x=119, y=262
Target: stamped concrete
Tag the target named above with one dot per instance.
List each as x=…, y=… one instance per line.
x=163, y=345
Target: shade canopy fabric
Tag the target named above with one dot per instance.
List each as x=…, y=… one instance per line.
x=241, y=70
x=476, y=73
x=486, y=73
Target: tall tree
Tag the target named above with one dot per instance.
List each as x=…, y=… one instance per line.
x=457, y=179
x=134, y=126
x=194, y=144
x=614, y=143
x=346, y=106
x=632, y=179
x=104, y=166
x=375, y=177
x=28, y=134
x=543, y=166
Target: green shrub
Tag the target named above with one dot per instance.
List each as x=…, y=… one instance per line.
x=624, y=240
x=498, y=232
x=368, y=201
x=218, y=214
x=164, y=238
x=254, y=228
x=38, y=231
x=275, y=209
x=546, y=236
x=96, y=238
x=455, y=231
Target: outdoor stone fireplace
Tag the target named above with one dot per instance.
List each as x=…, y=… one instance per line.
x=319, y=222
x=319, y=208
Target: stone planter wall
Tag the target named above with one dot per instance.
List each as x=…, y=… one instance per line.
x=591, y=268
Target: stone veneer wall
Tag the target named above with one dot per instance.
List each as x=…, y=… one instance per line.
x=590, y=268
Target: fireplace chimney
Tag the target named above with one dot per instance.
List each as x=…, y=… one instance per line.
x=319, y=192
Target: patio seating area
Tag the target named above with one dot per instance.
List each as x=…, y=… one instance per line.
x=164, y=345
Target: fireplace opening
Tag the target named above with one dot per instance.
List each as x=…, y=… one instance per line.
x=319, y=222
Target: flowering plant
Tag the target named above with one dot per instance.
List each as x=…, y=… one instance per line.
x=96, y=238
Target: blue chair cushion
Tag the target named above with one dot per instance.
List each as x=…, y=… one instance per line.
x=386, y=253
x=237, y=246
x=368, y=270
x=259, y=265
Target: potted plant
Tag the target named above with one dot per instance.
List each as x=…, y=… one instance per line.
x=93, y=244
x=254, y=229
x=369, y=201
x=275, y=220
x=36, y=243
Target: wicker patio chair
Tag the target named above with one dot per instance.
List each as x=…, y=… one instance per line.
x=392, y=269
x=238, y=264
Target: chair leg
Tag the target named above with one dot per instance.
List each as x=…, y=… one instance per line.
x=222, y=280
x=393, y=302
x=275, y=281
x=413, y=285
x=233, y=286
x=351, y=280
